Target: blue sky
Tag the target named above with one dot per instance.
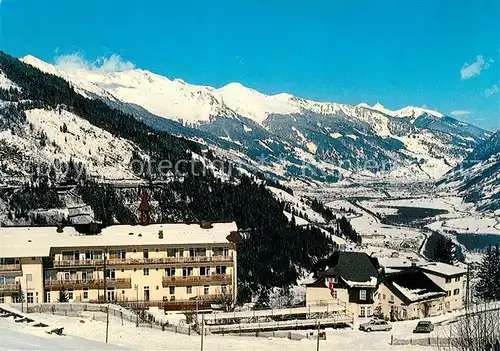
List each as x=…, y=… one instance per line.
x=440, y=54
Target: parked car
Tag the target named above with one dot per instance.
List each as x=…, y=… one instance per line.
x=375, y=325
x=424, y=327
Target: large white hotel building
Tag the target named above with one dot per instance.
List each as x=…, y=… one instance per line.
x=172, y=264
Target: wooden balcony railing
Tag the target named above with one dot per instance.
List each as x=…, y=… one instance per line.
x=118, y=283
x=10, y=267
x=9, y=288
x=141, y=261
x=197, y=279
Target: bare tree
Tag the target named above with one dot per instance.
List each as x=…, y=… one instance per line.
x=477, y=330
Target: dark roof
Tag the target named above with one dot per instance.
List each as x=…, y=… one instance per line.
x=352, y=266
x=412, y=279
x=318, y=283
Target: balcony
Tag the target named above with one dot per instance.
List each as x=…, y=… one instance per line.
x=9, y=288
x=78, y=263
x=197, y=279
x=10, y=267
x=78, y=284
x=142, y=261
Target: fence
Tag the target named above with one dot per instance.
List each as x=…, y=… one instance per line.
x=142, y=319
x=438, y=342
x=276, y=334
x=429, y=341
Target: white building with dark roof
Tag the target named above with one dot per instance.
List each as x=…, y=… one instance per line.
x=451, y=279
x=348, y=278
x=409, y=294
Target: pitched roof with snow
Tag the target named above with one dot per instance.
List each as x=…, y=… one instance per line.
x=352, y=267
x=442, y=269
x=37, y=241
x=437, y=268
x=412, y=286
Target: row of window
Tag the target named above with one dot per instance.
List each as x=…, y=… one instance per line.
x=188, y=271
x=111, y=293
x=448, y=280
x=391, y=297
x=455, y=292
x=121, y=253
x=30, y=298
x=362, y=295
x=5, y=261
x=365, y=312
x=169, y=272
x=189, y=289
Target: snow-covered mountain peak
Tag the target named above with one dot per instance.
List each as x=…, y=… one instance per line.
x=178, y=100
x=412, y=111
x=41, y=65
x=284, y=96
x=364, y=105
x=237, y=88
x=408, y=111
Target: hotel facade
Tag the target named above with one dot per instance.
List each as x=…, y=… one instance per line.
x=174, y=265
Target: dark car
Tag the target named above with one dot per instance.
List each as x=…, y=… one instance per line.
x=424, y=327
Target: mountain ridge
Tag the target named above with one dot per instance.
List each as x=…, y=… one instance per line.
x=477, y=178
x=296, y=137
x=227, y=92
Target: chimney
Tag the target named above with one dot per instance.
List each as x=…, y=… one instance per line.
x=144, y=209
x=206, y=225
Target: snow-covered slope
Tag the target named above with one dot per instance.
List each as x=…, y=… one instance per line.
x=477, y=179
x=41, y=141
x=408, y=111
x=295, y=133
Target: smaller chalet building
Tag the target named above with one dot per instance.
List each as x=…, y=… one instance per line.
x=348, y=278
x=451, y=279
x=410, y=294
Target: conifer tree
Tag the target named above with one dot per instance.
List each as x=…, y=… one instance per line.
x=63, y=295
x=488, y=287
x=443, y=252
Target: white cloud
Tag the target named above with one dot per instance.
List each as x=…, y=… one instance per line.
x=475, y=68
x=460, y=113
x=495, y=89
x=76, y=61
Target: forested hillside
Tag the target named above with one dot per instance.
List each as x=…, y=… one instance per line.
x=273, y=250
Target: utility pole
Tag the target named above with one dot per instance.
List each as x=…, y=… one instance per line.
x=202, y=329
x=467, y=295
x=26, y=293
x=136, y=305
x=317, y=336
x=107, y=323
x=104, y=273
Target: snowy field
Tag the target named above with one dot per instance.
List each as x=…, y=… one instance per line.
x=375, y=233
x=91, y=335
x=461, y=217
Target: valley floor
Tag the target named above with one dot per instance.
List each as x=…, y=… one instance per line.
x=375, y=208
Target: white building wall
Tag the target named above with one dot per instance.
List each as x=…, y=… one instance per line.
x=452, y=301
x=32, y=279
x=388, y=301
x=322, y=296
